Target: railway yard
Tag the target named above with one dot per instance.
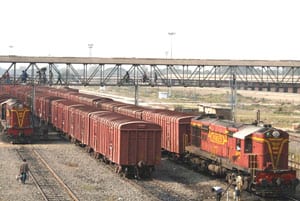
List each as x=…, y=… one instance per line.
x=57, y=163
x=61, y=170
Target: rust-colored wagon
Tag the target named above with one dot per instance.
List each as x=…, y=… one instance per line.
x=133, y=145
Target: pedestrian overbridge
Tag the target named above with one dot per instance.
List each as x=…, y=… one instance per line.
x=268, y=75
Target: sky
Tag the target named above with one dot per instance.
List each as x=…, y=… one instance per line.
x=203, y=29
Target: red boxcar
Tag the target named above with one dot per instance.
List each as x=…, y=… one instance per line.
x=5, y=89
x=83, y=121
x=124, y=140
x=64, y=107
x=59, y=109
x=65, y=92
x=38, y=104
x=46, y=107
x=88, y=99
x=175, y=128
x=79, y=119
x=131, y=111
x=111, y=106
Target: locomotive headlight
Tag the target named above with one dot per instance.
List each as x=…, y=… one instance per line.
x=276, y=134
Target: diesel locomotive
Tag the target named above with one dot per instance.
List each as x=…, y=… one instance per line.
x=256, y=153
x=16, y=120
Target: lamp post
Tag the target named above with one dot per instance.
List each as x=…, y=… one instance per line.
x=10, y=49
x=171, y=34
x=90, y=46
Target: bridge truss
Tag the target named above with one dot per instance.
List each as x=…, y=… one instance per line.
x=91, y=71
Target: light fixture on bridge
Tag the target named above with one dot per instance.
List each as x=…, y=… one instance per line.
x=171, y=34
x=90, y=46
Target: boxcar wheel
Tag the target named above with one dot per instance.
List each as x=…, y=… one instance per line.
x=126, y=172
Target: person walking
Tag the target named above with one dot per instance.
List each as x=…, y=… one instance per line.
x=126, y=77
x=155, y=77
x=39, y=76
x=44, y=79
x=24, y=168
x=145, y=77
x=59, y=78
x=7, y=77
x=50, y=77
x=237, y=193
x=24, y=76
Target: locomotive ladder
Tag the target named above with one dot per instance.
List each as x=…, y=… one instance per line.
x=49, y=184
x=252, y=164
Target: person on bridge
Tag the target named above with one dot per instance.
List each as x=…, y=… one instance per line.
x=6, y=77
x=39, y=76
x=44, y=79
x=145, y=77
x=155, y=77
x=24, y=168
x=126, y=77
x=24, y=76
x=50, y=77
x=59, y=78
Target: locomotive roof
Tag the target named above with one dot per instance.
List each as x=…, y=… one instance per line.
x=246, y=130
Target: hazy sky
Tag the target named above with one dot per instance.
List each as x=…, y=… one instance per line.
x=211, y=29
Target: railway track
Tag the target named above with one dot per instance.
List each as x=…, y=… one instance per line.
x=50, y=185
x=158, y=188
x=282, y=199
x=153, y=188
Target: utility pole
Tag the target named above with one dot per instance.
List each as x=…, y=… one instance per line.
x=233, y=97
x=171, y=34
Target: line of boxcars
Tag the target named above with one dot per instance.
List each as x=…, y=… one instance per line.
x=132, y=145
x=256, y=153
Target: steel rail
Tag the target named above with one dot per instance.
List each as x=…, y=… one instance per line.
x=52, y=172
x=66, y=188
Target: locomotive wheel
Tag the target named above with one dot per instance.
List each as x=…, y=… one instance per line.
x=229, y=178
x=245, y=184
x=251, y=188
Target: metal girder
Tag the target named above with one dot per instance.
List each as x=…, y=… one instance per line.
x=154, y=72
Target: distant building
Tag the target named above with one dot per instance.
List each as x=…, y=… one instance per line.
x=222, y=112
x=163, y=95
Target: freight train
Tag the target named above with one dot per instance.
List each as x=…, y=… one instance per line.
x=255, y=154
x=131, y=145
